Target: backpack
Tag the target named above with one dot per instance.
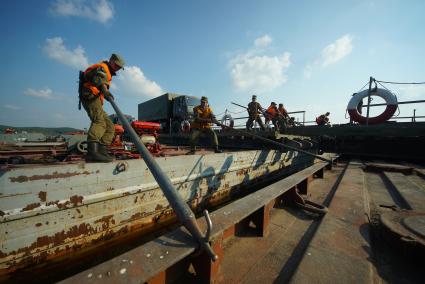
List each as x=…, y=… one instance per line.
x=80, y=88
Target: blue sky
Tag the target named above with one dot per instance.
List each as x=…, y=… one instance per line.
x=309, y=55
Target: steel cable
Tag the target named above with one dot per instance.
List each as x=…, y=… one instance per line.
x=400, y=83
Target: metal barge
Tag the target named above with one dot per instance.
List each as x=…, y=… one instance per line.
x=51, y=213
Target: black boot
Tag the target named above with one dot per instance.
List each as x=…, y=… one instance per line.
x=104, y=151
x=216, y=150
x=93, y=154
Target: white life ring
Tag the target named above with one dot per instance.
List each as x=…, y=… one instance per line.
x=185, y=126
x=389, y=98
x=227, y=118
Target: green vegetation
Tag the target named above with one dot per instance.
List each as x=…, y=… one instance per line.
x=48, y=131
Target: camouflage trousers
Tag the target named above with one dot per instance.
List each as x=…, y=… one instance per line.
x=251, y=119
x=196, y=133
x=101, y=129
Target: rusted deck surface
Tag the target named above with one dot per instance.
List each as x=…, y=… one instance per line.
x=342, y=247
x=298, y=243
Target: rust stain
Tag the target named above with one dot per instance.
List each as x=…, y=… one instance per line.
x=106, y=220
x=30, y=206
x=52, y=203
x=2, y=213
x=158, y=207
x=38, y=224
x=136, y=216
x=135, y=200
x=62, y=205
x=42, y=195
x=54, y=175
x=76, y=199
x=55, y=240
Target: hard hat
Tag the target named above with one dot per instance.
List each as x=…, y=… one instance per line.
x=118, y=60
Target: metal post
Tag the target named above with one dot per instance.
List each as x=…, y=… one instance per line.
x=180, y=207
x=368, y=99
x=304, y=118
x=414, y=115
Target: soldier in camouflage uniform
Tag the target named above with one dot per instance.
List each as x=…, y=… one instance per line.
x=94, y=88
x=254, y=111
x=203, y=117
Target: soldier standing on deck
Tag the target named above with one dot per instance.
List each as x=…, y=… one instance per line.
x=323, y=119
x=272, y=114
x=254, y=111
x=203, y=116
x=282, y=111
x=93, y=89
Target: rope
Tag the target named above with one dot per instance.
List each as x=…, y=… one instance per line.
x=385, y=87
x=362, y=87
x=401, y=83
x=236, y=112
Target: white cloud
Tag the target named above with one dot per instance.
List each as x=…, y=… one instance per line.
x=263, y=41
x=56, y=50
x=132, y=82
x=331, y=54
x=97, y=10
x=411, y=92
x=251, y=71
x=46, y=93
x=12, y=107
x=337, y=50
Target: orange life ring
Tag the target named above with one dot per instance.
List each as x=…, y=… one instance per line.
x=389, y=98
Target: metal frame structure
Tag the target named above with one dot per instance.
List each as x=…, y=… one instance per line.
x=161, y=260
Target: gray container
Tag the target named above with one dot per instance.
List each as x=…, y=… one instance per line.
x=157, y=109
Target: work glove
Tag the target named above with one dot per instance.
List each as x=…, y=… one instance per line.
x=108, y=96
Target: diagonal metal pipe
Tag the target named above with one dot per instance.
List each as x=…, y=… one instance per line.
x=180, y=207
x=274, y=142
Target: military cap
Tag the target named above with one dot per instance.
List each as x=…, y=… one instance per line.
x=204, y=99
x=117, y=59
x=254, y=96
x=281, y=105
x=273, y=103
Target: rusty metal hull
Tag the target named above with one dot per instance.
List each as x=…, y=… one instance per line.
x=49, y=212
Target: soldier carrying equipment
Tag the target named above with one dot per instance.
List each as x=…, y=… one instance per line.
x=254, y=110
x=323, y=119
x=93, y=89
x=203, y=117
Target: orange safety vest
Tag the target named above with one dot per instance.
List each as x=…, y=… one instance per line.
x=322, y=119
x=95, y=91
x=283, y=111
x=271, y=111
x=205, y=114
